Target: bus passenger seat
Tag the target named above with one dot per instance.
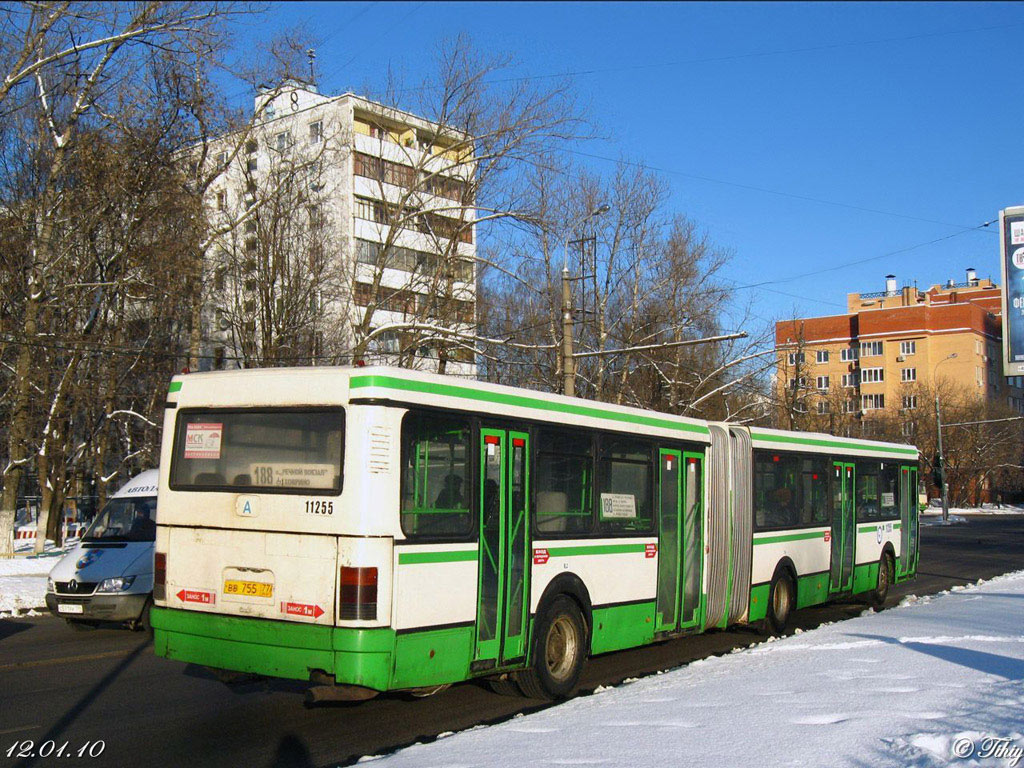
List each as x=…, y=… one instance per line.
x=552, y=507
x=243, y=479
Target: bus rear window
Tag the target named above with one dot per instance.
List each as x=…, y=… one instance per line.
x=294, y=450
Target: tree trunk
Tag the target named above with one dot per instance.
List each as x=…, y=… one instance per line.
x=17, y=438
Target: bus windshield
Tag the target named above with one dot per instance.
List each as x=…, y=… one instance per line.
x=275, y=450
x=125, y=520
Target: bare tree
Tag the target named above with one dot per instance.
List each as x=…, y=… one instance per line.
x=77, y=79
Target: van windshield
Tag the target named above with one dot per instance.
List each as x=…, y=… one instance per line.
x=125, y=519
x=283, y=450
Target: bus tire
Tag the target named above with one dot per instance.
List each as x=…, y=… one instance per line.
x=504, y=687
x=877, y=596
x=559, y=650
x=781, y=602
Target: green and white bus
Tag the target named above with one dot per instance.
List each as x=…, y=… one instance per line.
x=376, y=529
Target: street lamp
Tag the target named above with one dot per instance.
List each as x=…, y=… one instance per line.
x=938, y=430
x=568, y=362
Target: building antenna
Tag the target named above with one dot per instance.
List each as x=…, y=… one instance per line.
x=311, y=55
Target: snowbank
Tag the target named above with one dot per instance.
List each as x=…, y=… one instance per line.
x=23, y=582
x=984, y=509
x=911, y=686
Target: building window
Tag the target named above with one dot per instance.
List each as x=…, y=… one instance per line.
x=823, y=407
x=222, y=200
x=222, y=158
x=908, y=347
x=821, y=356
x=908, y=374
x=979, y=376
x=848, y=354
x=850, y=406
x=796, y=358
x=851, y=379
x=365, y=209
x=822, y=383
x=872, y=375
x=251, y=146
x=870, y=348
x=251, y=165
x=283, y=140
x=907, y=428
x=316, y=132
x=910, y=402
x=977, y=347
x=872, y=402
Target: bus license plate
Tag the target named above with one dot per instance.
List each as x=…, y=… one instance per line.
x=69, y=608
x=248, y=588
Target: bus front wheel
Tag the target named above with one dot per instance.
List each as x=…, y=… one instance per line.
x=559, y=650
x=781, y=601
x=885, y=570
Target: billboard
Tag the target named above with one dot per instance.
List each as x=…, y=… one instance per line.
x=1011, y=239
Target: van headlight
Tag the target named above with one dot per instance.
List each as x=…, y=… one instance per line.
x=120, y=584
x=49, y=585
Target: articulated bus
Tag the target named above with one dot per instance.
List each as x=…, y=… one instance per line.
x=375, y=529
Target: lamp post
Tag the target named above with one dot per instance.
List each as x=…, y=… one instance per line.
x=568, y=362
x=938, y=430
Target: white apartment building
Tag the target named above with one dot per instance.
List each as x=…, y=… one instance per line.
x=337, y=219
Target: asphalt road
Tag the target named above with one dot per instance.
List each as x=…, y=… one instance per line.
x=80, y=688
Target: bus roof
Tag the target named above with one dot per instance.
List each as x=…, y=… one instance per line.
x=328, y=385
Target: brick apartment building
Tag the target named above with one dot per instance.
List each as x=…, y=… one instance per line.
x=849, y=370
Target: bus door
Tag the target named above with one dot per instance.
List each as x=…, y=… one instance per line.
x=680, y=497
x=908, y=521
x=502, y=588
x=843, y=527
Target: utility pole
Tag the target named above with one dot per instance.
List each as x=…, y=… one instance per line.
x=568, y=362
x=568, y=359
x=938, y=430
x=942, y=462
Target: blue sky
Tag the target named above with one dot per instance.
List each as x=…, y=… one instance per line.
x=776, y=124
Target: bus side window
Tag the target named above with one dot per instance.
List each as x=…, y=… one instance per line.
x=435, y=476
x=563, y=483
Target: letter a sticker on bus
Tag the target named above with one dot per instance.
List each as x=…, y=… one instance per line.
x=202, y=441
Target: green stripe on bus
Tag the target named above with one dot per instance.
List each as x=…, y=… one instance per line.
x=830, y=443
x=596, y=549
x=790, y=537
x=448, y=390
x=456, y=556
x=873, y=528
x=175, y=386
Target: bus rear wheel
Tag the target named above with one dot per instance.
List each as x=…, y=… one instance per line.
x=559, y=650
x=781, y=601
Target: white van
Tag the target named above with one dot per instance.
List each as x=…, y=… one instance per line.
x=108, y=575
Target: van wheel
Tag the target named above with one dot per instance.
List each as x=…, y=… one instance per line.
x=876, y=598
x=781, y=602
x=559, y=651
x=142, y=624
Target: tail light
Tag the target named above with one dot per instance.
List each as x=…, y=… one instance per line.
x=159, y=575
x=358, y=595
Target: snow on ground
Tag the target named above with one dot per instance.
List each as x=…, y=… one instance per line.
x=23, y=581
x=918, y=685
x=984, y=509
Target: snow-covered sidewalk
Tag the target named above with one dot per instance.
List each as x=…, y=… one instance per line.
x=918, y=685
x=23, y=582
